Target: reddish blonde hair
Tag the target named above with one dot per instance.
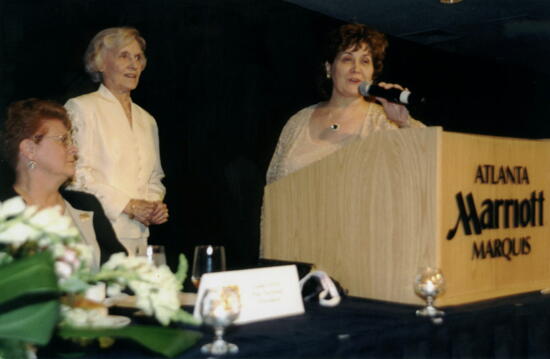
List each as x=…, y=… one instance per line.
x=25, y=120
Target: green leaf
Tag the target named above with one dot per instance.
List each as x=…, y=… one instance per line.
x=31, y=323
x=27, y=284
x=31, y=275
x=183, y=265
x=73, y=285
x=5, y=258
x=12, y=349
x=184, y=317
x=166, y=341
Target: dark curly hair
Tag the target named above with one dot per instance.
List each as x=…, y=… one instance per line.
x=24, y=120
x=353, y=36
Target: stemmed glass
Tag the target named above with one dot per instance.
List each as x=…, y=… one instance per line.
x=219, y=307
x=207, y=259
x=429, y=283
x=156, y=255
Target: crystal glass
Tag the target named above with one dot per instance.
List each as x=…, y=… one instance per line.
x=219, y=307
x=156, y=255
x=429, y=283
x=207, y=259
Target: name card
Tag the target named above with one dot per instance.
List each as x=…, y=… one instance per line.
x=266, y=293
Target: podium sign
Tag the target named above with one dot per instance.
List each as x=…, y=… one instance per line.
x=374, y=212
x=495, y=239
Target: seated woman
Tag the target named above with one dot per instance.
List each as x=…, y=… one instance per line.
x=37, y=145
x=354, y=54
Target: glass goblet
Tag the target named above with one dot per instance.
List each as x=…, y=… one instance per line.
x=207, y=259
x=219, y=307
x=429, y=283
x=156, y=255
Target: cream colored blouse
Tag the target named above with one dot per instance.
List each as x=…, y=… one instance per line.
x=296, y=149
x=116, y=162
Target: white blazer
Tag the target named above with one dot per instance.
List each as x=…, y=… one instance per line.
x=116, y=162
x=84, y=222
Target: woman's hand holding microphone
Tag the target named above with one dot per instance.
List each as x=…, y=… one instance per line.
x=396, y=112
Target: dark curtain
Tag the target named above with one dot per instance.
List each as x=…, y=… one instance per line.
x=222, y=78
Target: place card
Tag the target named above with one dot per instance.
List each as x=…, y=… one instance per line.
x=266, y=293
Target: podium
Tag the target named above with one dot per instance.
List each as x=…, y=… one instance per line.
x=374, y=212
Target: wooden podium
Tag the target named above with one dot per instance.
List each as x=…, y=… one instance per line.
x=375, y=211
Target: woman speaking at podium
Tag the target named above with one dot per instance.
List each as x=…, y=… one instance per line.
x=354, y=54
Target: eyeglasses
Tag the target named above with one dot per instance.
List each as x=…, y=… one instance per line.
x=65, y=139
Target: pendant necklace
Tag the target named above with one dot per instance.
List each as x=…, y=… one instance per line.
x=335, y=125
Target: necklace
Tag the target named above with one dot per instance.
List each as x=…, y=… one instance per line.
x=335, y=126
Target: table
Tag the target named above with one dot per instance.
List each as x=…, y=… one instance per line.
x=516, y=326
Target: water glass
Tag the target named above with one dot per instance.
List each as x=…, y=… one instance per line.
x=156, y=255
x=207, y=259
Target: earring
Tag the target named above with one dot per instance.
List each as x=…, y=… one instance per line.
x=328, y=75
x=31, y=165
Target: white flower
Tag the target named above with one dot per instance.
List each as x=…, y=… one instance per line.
x=18, y=233
x=51, y=220
x=57, y=248
x=120, y=259
x=114, y=290
x=84, y=254
x=75, y=317
x=165, y=302
x=63, y=270
x=69, y=256
x=11, y=207
x=156, y=289
x=96, y=293
x=30, y=211
x=91, y=318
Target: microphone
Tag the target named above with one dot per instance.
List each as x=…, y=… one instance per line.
x=393, y=95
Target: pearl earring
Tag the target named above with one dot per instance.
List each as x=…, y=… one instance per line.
x=31, y=165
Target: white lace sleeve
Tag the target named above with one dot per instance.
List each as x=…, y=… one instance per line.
x=277, y=168
x=378, y=120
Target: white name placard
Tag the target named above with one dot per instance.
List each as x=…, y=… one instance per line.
x=266, y=293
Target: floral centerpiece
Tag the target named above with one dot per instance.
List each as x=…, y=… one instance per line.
x=47, y=286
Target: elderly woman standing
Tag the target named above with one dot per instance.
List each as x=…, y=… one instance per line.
x=119, y=160
x=354, y=53
x=37, y=144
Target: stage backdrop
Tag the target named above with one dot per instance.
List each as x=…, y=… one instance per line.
x=223, y=77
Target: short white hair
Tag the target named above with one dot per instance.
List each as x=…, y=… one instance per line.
x=109, y=39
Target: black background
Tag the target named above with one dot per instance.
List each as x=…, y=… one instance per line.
x=222, y=79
